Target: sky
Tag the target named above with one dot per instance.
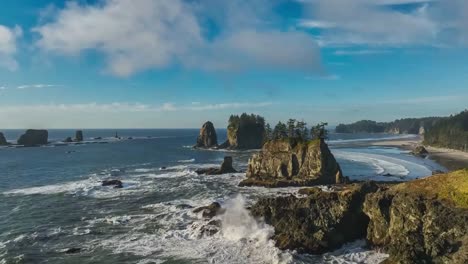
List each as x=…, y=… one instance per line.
x=179, y=63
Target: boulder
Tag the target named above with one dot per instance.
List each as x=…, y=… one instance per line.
x=207, y=137
x=34, y=137
x=288, y=162
x=422, y=221
x=79, y=136
x=226, y=167
x=68, y=140
x=319, y=222
x=209, y=211
x=3, y=141
x=115, y=183
x=420, y=151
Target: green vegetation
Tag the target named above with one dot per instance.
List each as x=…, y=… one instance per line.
x=400, y=126
x=246, y=131
x=450, y=132
x=296, y=130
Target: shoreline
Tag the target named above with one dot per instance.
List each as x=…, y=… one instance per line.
x=449, y=158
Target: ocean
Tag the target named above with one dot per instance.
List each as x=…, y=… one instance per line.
x=52, y=201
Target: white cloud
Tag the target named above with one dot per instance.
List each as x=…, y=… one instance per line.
x=359, y=52
x=139, y=35
x=29, y=86
x=8, y=46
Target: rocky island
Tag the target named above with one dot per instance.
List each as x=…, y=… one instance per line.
x=207, y=137
x=245, y=132
x=34, y=137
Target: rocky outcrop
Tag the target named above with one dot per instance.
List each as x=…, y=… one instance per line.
x=207, y=137
x=3, y=141
x=320, y=222
x=34, y=137
x=245, y=132
x=79, y=136
x=68, y=140
x=226, y=167
x=420, y=151
x=115, y=183
x=209, y=211
x=423, y=221
x=289, y=162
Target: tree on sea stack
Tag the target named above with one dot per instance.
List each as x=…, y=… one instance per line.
x=319, y=131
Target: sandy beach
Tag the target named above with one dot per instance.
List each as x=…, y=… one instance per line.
x=449, y=158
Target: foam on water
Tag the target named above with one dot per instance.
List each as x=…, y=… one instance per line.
x=186, y=161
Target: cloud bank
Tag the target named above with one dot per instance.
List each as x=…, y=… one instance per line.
x=8, y=46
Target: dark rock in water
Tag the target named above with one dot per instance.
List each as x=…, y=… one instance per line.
x=211, y=228
x=320, y=222
x=207, y=137
x=79, y=136
x=422, y=221
x=72, y=250
x=184, y=206
x=130, y=138
x=209, y=211
x=226, y=167
x=3, y=141
x=288, y=162
x=420, y=151
x=115, y=183
x=68, y=140
x=34, y=137
x=97, y=138
x=163, y=168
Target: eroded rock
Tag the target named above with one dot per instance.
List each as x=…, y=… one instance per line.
x=34, y=137
x=207, y=137
x=226, y=167
x=3, y=141
x=115, y=183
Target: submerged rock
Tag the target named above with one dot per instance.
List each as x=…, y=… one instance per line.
x=420, y=151
x=72, y=250
x=288, y=162
x=34, y=137
x=422, y=221
x=3, y=141
x=79, y=136
x=115, y=183
x=68, y=140
x=226, y=167
x=207, y=137
x=320, y=222
x=209, y=211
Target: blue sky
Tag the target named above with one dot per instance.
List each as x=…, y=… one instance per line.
x=176, y=63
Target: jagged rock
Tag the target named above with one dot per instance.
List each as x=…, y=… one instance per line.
x=226, y=167
x=209, y=211
x=72, y=250
x=68, y=140
x=423, y=221
x=320, y=222
x=3, y=141
x=79, y=136
x=207, y=137
x=420, y=151
x=115, y=183
x=34, y=137
x=288, y=162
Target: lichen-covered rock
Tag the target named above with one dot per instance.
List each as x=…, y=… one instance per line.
x=79, y=136
x=207, y=137
x=3, y=141
x=226, y=167
x=320, y=222
x=420, y=151
x=423, y=221
x=34, y=137
x=288, y=162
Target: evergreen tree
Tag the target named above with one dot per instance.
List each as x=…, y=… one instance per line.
x=291, y=127
x=280, y=131
x=268, y=132
x=319, y=131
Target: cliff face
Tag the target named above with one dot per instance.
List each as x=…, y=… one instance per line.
x=424, y=221
x=207, y=137
x=34, y=137
x=245, y=137
x=286, y=162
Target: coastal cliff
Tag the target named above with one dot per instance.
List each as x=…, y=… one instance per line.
x=423, y=221
x=290, y=162
x=207, y=137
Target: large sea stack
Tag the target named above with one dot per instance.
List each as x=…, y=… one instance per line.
x=207, y=137
x=291, y=162
x=3, y=140
x=245, y=132
x=34, y=137
x=79, y=136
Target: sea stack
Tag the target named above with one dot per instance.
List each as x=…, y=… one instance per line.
x=34, y=137
x=207, y=137
x=290, y=162
x=79, y=136
x=245, y=132
x=3, y=141
x=226, y=167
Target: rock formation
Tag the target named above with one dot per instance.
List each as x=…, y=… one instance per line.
x=423, y=221
x=34, y=137
x=209, y=211
x=68, y=140
x=288, y=162
x=3, y=141
x=115, y=183
x=420, y=151
x=245, y=132
x=320, y=222
x=207, y=137
x=79, y=136
x=226, y=167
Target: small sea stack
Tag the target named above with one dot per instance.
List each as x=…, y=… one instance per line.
x=226, y=167
x=79, y=136
x=3, y=141
x=207, y=137
x=34, y=137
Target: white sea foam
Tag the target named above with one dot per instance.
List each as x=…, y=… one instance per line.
x=186, y=161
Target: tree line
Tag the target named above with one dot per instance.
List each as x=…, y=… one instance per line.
x=449, y=132
x=399, y=126
x=295, y=129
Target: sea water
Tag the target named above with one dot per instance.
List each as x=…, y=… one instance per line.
x=51, y=199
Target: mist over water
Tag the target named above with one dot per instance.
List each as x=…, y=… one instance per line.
x=52, y=200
